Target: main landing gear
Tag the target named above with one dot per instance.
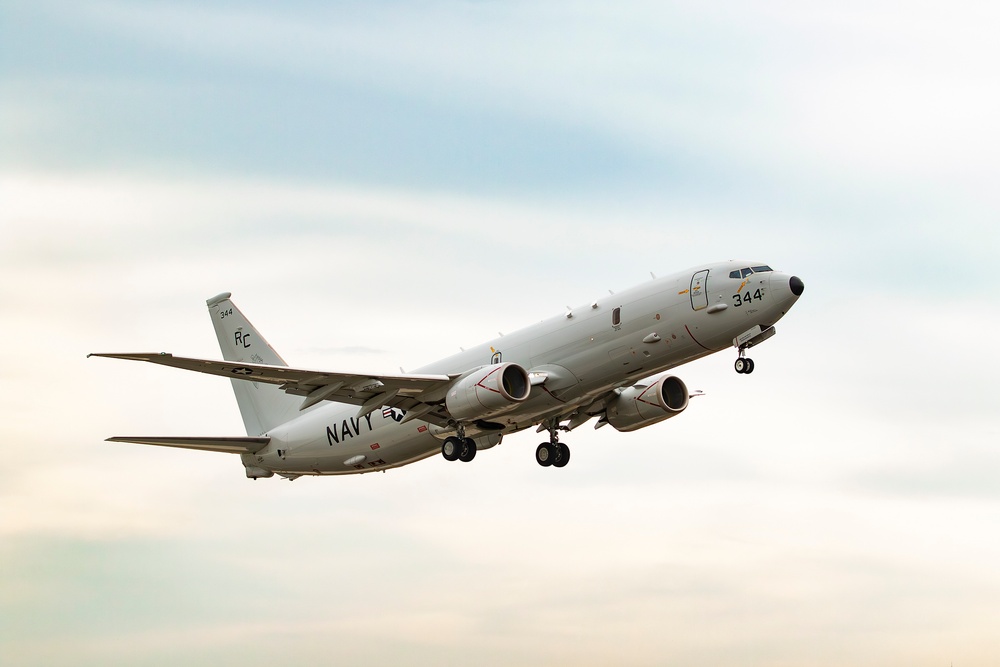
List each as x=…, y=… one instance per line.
x=462, y=449
x=552, y=453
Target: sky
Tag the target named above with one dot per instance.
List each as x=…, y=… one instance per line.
x=380, y=183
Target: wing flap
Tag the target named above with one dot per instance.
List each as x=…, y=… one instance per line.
x=226, y=445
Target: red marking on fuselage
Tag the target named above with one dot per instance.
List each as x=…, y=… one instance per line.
x=546, y=390
x=696, y=340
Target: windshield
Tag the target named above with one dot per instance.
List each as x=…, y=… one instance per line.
x=746, y=271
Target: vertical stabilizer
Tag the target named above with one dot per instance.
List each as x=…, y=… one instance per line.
x=263, y=406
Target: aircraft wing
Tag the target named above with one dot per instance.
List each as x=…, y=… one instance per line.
x=420, y=395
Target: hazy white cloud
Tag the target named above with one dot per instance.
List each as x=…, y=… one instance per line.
x=849, y=87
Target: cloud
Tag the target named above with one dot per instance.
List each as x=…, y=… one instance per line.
x=661, y=80
x=755, y=107
x=962, y=471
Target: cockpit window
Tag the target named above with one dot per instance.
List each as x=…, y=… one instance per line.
x=746, y=271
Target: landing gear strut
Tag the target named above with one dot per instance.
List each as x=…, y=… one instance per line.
x=552, y=453
x=458, y=448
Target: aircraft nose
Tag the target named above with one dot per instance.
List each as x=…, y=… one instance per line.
x=796, y=285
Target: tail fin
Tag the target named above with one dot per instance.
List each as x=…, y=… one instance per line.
x=263, y=406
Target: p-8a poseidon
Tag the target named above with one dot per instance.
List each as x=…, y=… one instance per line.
x=608, y=360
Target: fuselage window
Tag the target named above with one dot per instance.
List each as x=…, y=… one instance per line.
x=746, y=272
x=762, y=269
x=735, y=274
x=616, y=316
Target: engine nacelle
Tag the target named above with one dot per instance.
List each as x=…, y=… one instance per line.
x=488, y=391
x=639, y=406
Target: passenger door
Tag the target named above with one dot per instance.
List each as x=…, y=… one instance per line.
x=699, y=290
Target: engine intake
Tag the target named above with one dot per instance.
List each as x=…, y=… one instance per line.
x=488, y=391
x=642, y=405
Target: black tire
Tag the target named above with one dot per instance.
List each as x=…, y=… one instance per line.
x=544, y=454
x=451, y=448
x=562, y=456
x=467, y=451
x=749, y=369
x=741, y=365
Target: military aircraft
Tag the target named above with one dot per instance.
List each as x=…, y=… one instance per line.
x=607, y=360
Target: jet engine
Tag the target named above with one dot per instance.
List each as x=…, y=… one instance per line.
x=641, y=405
x=488, y=391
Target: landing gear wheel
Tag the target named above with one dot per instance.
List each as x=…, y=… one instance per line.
x=742, y=365
x=562, y=456
x=467, y=451
x=749, y=369
x=545, y=454
x=451, y=448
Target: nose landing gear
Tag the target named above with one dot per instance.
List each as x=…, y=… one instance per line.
x=746, y=340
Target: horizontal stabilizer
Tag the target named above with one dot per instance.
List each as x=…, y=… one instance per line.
x=227, y=445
